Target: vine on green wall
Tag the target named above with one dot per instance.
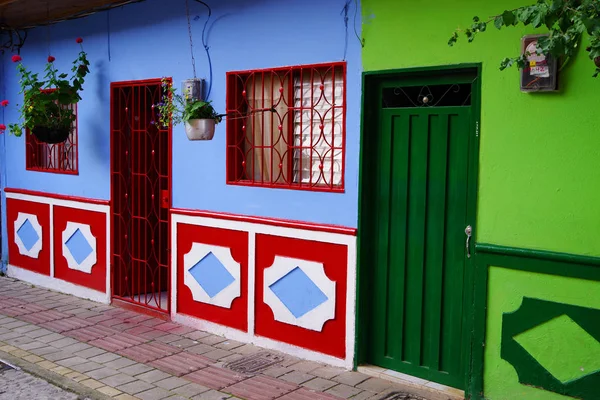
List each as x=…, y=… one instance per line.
x=566, y=20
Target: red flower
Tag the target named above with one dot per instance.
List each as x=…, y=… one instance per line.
x=51, y=59
x=2, y=128
x=79, y=40
x=4, y=103
x=16, y=58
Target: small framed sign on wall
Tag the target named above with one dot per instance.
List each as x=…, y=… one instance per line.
x=541, y=72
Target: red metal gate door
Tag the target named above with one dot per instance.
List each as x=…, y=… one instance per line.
x=140, y=186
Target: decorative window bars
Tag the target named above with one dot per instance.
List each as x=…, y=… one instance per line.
x=61, y=158
x=286, y=127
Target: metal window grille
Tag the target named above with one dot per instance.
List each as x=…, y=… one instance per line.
x=59, y=158
x=286, y=127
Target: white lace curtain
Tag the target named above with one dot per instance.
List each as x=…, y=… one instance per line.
x=268, y=159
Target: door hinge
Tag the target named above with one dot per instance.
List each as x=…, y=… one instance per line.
x=476, y=128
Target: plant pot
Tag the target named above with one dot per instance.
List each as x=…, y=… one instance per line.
x=51, y=135
x=200, y=129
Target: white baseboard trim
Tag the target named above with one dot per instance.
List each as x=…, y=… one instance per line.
x=56, y=284
x=259, y=341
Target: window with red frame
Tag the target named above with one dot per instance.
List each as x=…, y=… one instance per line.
x=59, y=158
x=286, y=127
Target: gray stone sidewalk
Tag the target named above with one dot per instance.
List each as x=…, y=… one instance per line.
x=124, y=355
x=19, y=385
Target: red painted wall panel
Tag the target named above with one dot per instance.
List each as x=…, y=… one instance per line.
x=235, y=317
x=97, y=221
x=332, y=339
x=41, y=265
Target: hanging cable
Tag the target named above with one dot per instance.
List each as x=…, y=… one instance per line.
x=10, y=43
x=187, y=14
x=48, y=39
x=48, y=28
x=360, y=39
x=206, y=48
x=108, y=32
x=345, y=14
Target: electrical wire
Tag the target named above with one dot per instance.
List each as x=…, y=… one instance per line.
x=189, y=25
x=10, y=44
x=206, y=48
x=48, y=28
x=360, y=39
x=108, y=33
x=345, y=14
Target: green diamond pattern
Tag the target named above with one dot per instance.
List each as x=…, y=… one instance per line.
x=563, y=348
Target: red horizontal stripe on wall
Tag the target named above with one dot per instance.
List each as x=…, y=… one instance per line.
x=343, y=230
x=57, y=196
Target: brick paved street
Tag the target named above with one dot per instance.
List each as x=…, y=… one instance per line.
x=125, y=355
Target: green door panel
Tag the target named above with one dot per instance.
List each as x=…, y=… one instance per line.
x=417, y=242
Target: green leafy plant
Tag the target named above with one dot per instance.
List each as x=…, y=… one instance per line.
x=566, y=21
x=46, y=101
x=177, y=108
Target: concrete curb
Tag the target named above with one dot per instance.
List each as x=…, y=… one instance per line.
x=54, y=378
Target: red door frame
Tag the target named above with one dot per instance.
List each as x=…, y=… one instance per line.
x=136, y=306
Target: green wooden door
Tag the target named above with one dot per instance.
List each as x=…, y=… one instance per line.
x=418, y=284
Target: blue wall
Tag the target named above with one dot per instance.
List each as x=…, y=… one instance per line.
x=150, y=40
x=4, y=244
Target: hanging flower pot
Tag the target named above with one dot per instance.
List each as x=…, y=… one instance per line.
x=47, y=109
x=200, y=129
x=52, y=135
x=199, y=117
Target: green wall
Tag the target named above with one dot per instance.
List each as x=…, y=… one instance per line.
x=506, y=291
x=540, y=153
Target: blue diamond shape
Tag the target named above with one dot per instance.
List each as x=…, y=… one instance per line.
x=79, y=247
x=211, y=275
x=298, y=293
x=28, y=235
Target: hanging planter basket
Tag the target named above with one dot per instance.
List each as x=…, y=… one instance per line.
x=51, y=135
x=47, y=111
x=200, y=129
